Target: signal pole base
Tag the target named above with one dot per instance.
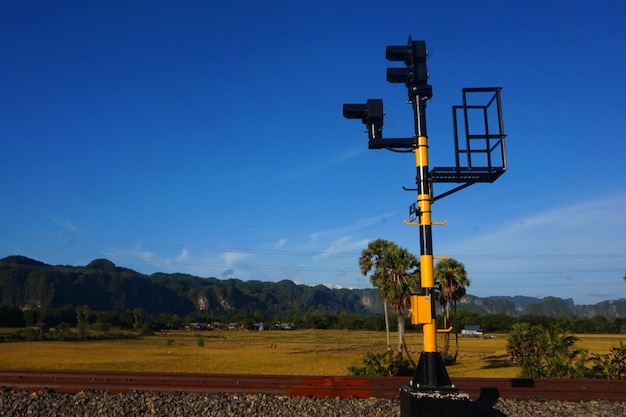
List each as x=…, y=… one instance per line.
x=431, y=372
x=431, y=393
x=416, y=402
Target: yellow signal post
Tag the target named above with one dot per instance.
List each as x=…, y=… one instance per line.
x=431, y=371
x=430, y=378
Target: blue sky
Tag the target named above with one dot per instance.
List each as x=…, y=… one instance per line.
x=207, y=138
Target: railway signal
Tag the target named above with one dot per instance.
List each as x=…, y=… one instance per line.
x=481, y=157
x=415, y=74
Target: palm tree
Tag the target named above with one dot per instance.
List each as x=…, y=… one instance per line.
x=558, y=354
x=396, y=275
x=450, y=282
x=373, y=257
x=522, y=344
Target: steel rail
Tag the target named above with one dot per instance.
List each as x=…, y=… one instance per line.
x=574, y=390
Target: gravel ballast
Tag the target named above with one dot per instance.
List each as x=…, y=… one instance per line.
x=139, y=404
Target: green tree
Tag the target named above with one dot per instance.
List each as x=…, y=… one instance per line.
x=33, y=316
x=522, y=346
x=395, y=272
x=11, y=316
x=496, y=322
x=545, y=352
x=373, y=258
x=138, y=318
x=83, y=313
x=558, y=354
x=450, y=283
x=468, y=318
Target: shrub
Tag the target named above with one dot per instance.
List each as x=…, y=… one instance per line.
x=544, y=353
x=549, y=353
x=381, y=364
x=609, y=366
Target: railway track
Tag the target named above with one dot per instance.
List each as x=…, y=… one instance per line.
x=574, y=390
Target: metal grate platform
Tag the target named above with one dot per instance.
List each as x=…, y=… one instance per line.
x=461, y=175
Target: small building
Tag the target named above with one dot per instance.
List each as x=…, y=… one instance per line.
x=40, y=328
x=284, y=326
x=471, y=331
x=198, y=326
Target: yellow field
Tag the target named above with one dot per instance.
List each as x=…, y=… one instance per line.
x=299, y=352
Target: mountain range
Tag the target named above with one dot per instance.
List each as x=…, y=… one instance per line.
x=27, y=283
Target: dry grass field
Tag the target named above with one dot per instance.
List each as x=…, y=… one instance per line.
x=298, y=352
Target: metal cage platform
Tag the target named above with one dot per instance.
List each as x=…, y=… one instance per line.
x=479, y=142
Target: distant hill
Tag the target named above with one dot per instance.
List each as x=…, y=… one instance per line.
x=547, y=306
x=27, y=283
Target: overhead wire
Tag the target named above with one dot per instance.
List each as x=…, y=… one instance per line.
x=146, y=246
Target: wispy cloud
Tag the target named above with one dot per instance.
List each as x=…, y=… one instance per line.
x=290, y=275
x=332, y=286
x=184, y=255
x=69, y=233
x=347, y=239
x=570, y=249
x=360, y=224
x=578, y=228
x=231, y=258
x=138, y=253
x=149, y=256
x=65, y=223
x=334, y=160
x=344, y=244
